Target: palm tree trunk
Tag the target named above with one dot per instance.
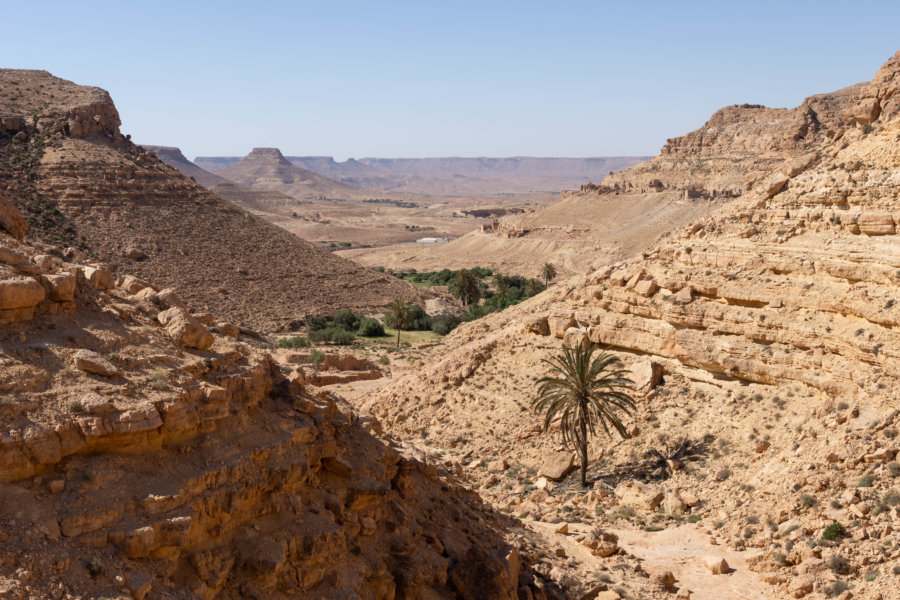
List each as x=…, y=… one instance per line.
x=584, y=455
x=398, y=336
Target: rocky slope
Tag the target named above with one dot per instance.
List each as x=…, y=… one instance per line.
x=764, y=334
x=143, y=455
x=81, y=184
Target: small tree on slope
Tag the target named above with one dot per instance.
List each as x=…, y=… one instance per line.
x=584, y=391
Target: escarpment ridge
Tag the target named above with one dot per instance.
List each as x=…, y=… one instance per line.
x=82, y=184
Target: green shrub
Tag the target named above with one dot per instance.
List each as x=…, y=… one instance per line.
x=369, y=327
x=335, y=335
x=894, y=468
x=833, y=531
x=315, y=323
x=892, y=498
x=723, y=474
x=346, y=320
x=297, y=341
x=808, y=500
x=444, y=323
x=866, y=480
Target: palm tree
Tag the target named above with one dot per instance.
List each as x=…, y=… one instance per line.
x=548, y=272
x=399, y=313
x=502, y=285
x=583, y=390
x=466, y=287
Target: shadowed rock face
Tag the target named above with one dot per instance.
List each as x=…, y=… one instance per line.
x=186, y=464
x=80, y=183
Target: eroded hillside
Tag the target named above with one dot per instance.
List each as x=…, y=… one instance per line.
x=144, y=454
x=82, y=184
x=763, y=335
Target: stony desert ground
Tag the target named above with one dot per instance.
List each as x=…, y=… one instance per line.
x=161, y=436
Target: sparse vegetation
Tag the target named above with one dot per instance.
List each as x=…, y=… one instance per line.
x=294, y=342
x=833, y=531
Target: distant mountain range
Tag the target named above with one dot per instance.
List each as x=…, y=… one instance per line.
x=453, y=175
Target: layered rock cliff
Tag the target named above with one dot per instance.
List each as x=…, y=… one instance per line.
x=143, y=455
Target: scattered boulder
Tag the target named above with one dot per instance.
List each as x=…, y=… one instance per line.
x=637, y=493
x=673, y=504
x=646, y=375
x=602, y=543
x=91, y=362
x=99, y=277
x=185, y=329
x=716, y=565
x=135, y=253
x=557, y=465
x=538, y=325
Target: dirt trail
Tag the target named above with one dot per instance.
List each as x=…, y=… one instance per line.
x=682, y=551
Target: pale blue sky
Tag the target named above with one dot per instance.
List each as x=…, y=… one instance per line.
x=444, y=78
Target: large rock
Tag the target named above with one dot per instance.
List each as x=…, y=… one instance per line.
x=11, y=219
x=646, y=374
x=637, y=493
x=602, y=543
x=60, y=286
x=557, y=465
x=775, y=184
x=185, y=329
x=89, y=361
x=99, y=277
x=716, y=565
x=20, y=293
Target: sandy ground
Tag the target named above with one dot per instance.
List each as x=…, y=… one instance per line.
x=681, y=550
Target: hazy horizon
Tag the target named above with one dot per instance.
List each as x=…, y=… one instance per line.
x=412, y=80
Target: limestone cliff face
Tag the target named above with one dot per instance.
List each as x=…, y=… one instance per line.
x=144, y=456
